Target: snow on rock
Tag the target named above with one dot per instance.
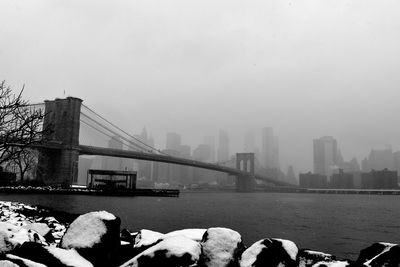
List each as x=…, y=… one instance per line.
x=147, y=238
x=194, y=234
x=23, y=262
x=172, y=251
x=51, y=256
x=6, y=245
x=41, y=228
x=95, y=235
x=220, y=247
x=18, y=235
x=307, y=258
x=270, y=252
x=19, y=214
x=333, y=264
x=380, y=254
x=7, y=263
x=373, y=251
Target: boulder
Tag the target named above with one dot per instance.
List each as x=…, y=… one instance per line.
x=194, y=234
x=220, y=247
x=18, y=235
x=173, y=251
x=270, y=252
x=380, y=254
x=307, y=258
x=51, y=256
x=95, y=236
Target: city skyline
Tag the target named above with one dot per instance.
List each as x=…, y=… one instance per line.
x=307, y=69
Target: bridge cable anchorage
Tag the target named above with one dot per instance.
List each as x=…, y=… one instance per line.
x=131, y=136
x=115, y=133
x=110, y=136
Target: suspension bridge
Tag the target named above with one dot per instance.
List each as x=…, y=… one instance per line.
x=59, y=153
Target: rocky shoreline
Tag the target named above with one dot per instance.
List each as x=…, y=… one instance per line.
x=38, y=237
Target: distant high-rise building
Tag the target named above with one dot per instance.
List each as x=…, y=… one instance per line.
x=210, y=141
x=380, y=159
x=173, y=141
x=249, y=142
x=290, y=176
x=269, y=148
x=325, y=155
x=275, y=153
x=112, y=163
x=223, y=147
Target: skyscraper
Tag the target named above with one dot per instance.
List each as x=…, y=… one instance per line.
x=270, y=148
x=173, y=141
x=325, y=155
x=249, y=142
x=111, y=163
x=223, y=147
x=210, y=141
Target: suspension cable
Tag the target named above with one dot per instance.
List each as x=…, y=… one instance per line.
x=113, y=132
x=110, y=136
x=138, y=140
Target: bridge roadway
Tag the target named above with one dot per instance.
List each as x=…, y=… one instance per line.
x=100, y=151
x=91, y=150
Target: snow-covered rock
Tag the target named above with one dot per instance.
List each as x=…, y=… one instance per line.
x=333, y=264
x=22, y=262
x=7, y=263
x=95, y=236
x=51, y=256
x=307, y=258
x=194, y=234
x=172, y=251
x=18, y=235
x=41, y=228
x=220, y=247
x=147, y=238
x=270, y=252
x=380, y=254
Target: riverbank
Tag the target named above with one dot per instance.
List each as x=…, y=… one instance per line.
x=95, y=239
x=86, y=191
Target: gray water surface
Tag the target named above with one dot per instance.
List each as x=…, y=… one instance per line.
x=337, y=224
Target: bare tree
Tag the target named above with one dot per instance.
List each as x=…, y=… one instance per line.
x=25, y=163
x=20, y=124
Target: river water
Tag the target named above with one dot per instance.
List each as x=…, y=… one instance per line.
x=337, y=224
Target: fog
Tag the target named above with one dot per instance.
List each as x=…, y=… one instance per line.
x=305, y=68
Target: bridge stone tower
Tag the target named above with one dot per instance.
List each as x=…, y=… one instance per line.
x=245, y=162
x=62, y=119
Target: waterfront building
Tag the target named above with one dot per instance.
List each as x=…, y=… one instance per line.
x=342, y=180
x=325, y=155
x=267, y=147
x=383, y=179
x=311, y=180
x=223, y=147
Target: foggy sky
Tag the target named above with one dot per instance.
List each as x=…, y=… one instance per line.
x=306, y=68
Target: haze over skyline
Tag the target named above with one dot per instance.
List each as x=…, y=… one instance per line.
x=306, y=68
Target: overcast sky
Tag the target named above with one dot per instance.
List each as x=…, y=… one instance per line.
x=306, y=68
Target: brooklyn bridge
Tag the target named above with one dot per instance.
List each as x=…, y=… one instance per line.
x=59, y=153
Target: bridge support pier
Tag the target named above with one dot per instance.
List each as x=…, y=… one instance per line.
x=61, y=121
x=245, y=162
